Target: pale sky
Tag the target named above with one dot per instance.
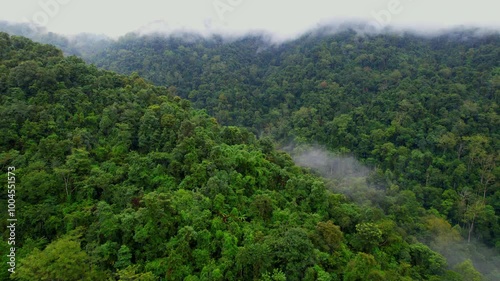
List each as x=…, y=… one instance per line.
x=282, y=17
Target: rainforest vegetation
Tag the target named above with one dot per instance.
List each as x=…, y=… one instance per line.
x=422, y=110
x=175, y=169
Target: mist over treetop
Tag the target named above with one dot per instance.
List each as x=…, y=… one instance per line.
x=182, y=179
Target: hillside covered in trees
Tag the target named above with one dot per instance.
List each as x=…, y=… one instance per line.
x=118, y=178
x=422, y=110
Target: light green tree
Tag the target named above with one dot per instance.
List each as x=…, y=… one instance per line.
x=61, y=260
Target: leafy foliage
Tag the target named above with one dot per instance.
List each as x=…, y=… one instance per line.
x=159, y=190
x=423, y=110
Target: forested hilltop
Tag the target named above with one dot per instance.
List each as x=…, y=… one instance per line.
x=119, y=179
x=129, y=181
x=423, y=110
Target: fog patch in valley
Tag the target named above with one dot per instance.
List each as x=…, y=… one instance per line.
x=343, y=173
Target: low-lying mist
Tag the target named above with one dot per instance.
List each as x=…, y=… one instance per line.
x=330, y=165
x=271, y=38
x=449, y=243
x=346, y=175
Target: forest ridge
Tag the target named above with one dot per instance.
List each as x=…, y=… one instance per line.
x=135, y=181
x=422, y=109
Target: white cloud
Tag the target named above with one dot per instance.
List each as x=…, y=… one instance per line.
x=115, y=17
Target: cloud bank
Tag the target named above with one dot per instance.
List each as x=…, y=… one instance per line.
x=284, y=19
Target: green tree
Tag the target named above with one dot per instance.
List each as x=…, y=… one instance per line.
x=129, y=274
x=62, y=259
x=363, y=267
x=329, y=236
x=467, y=271
x=368, y=236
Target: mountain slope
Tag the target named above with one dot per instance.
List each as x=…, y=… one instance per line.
x=423, y=110
x=119, y=179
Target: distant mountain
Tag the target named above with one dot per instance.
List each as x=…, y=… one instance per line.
x=117, y=178
x=83, y=44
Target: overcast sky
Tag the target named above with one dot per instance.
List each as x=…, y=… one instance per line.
x=283, y=17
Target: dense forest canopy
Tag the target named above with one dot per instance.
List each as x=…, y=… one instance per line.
x=422, y=109
x=122, y=179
